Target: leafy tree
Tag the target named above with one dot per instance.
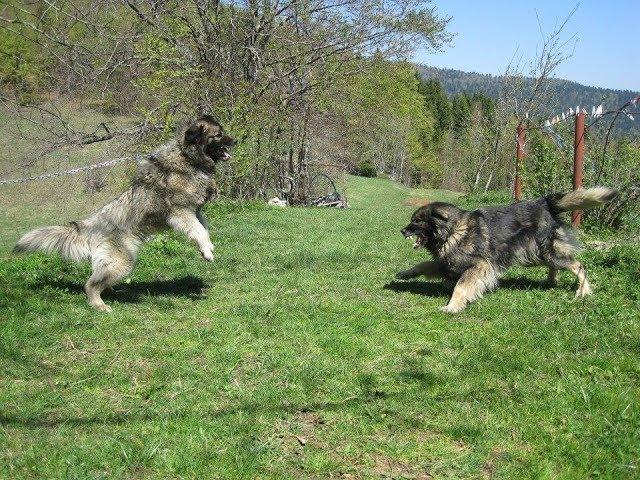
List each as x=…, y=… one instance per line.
x=386, y=120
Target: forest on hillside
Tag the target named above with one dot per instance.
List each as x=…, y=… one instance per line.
x=305, y=87
x=566, y=93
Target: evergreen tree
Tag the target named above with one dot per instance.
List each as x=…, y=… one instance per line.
x=461, y=110
x=437, y=103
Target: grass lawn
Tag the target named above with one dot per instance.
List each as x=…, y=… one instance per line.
x=295, y=355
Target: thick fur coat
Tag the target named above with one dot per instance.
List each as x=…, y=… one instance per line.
x=168, y=192
x=475, y=248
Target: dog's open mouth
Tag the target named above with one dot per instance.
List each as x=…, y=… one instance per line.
x=224, y=154
x=219, y=153
x=418, y=240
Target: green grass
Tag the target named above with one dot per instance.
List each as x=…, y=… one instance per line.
x=295, y=355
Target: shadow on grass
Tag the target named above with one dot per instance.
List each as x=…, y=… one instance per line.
x=430, y=289
x=521, y=283
x=440, y=289
x=111, y=418
x=369, y=393
x=187, y=286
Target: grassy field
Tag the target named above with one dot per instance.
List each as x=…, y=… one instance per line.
x=295, y=355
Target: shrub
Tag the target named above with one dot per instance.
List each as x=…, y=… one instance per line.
x=618, y=170
x=366, y=169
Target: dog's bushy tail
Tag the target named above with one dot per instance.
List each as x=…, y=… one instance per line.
x=67, y=240
x=583, y=199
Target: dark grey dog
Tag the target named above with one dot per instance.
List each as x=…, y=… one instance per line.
x=475, y=247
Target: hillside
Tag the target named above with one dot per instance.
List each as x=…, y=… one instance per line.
x=568, y=93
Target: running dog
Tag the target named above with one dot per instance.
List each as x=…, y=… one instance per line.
x=475, y=248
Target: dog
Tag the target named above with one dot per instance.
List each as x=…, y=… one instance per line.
x=475, y=248
x=168, y=191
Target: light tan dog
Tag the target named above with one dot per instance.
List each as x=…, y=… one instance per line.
x=168, y=191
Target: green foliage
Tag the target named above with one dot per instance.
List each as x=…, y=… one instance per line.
x=620, y=169
x=461, y=109
x=166, y=72
x=546, y=169
x=366, y=169
x=21, y=64
x=387, y=121
x=436, y=102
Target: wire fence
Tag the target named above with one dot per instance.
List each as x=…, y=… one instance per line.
x=72, y=171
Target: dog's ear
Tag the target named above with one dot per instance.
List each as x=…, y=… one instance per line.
x=194, y=134
x=440, y=214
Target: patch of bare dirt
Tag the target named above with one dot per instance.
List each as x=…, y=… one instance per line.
x=295, y=433
x=416, y=202
x=489, y=467
x=386, y=467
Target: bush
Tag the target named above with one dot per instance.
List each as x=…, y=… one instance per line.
x=366, y=169
x=618, y=170
x=546, y=169
x=24, y=69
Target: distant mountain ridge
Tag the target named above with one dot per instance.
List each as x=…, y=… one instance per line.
x=567, y=93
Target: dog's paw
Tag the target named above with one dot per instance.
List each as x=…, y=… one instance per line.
x=451, y=308
x=207, y=254
x=103, y=307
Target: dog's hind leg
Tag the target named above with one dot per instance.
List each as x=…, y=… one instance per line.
x=575, y=267
x=552, y=276
x=109, y=266
x=565, y=261
x=471, y=286
x=429, y=269
x=579, y=271
x=561, y=256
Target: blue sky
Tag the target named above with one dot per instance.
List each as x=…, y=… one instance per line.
x=607, y=40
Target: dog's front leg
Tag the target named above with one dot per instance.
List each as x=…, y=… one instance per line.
x=187, y=222
x=471, y=286
x=202, y=219
x=429, y=269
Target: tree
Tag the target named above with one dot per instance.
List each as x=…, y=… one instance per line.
x=386, y=122
x=437, y=102
x=461, y=110
x=265, y=68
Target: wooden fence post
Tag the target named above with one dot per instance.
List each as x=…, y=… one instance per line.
x=578, y=162
x=520, y=139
